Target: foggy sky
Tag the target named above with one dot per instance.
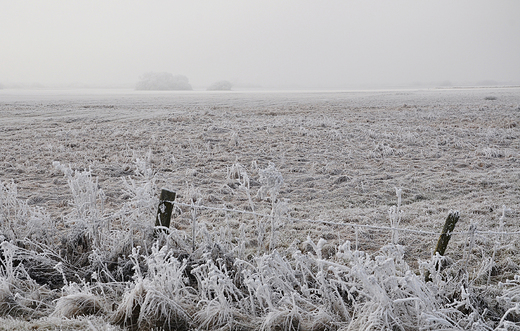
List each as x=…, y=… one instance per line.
x=285, y=43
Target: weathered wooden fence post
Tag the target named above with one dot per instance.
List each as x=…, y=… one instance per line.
x=444, y=238
x=165, y=208
x=449, y=226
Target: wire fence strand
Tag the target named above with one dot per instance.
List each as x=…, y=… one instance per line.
x=354, y=225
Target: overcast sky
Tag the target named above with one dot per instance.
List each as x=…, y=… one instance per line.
x=279, y=43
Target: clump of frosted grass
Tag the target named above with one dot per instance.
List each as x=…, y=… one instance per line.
x=78, y=301
x=141, y=204
x=233, y=140
x=239, y=173
x=382, y=150
x=158, y=299
x=492, y=152
x=59, y=323
x=88, y=198
x=217, y=293
x=88, y=221
x=143, y=166
x=20, y=221
x=19, y=293
x=12, y=210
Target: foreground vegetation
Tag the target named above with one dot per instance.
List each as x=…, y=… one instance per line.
x=117, y=271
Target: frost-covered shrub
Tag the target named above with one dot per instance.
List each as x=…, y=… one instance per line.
x=162, y=81
x=88, y=198
x=19, y=220
x=13, y=211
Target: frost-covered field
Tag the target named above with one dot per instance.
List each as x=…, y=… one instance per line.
x=81, y=172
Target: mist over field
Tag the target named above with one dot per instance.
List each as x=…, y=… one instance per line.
x=268, y=44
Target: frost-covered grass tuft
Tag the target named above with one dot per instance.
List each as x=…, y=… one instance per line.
x=491, y=152
x=78, y=304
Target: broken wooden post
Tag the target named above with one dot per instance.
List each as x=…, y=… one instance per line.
x=449, y=226
x=444, y=238
x=165, y=208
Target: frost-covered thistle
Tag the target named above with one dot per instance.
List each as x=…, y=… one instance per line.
x=233, y=140
x=241, y=174
x=271, y=180
x=394, y=214
x=195, y=199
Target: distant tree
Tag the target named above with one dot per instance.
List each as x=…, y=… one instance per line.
x=162, y=81
x=222, y=85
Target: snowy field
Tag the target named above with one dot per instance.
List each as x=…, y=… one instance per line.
x=81, y=172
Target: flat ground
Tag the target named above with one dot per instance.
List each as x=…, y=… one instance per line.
x=341, y=154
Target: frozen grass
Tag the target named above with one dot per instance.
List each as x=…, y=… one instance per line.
x=91, y=259
x=174, y=282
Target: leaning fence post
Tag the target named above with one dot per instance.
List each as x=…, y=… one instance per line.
x=449, y=226
x=165, y=208
x=444, y=238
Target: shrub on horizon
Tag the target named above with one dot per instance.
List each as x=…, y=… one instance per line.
x=222, y=85
x=163, y=81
